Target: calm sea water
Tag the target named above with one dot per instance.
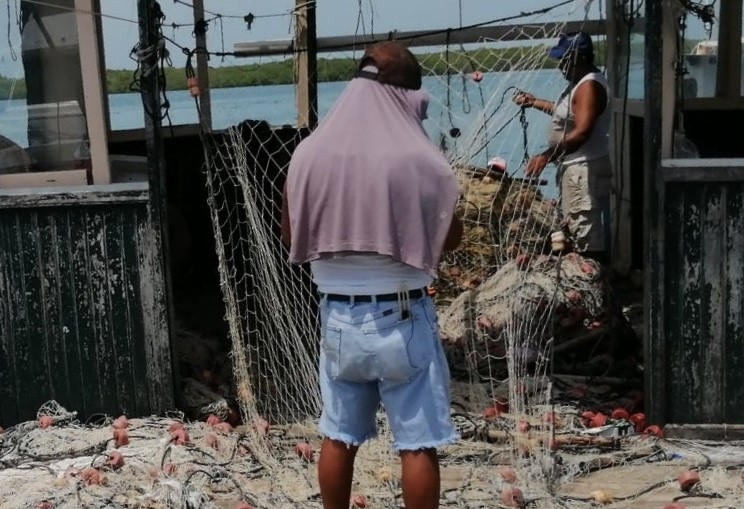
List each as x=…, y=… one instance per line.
x=482, y=112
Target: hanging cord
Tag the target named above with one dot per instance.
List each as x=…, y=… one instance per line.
x=629, y=12
x=522, y=120
x=520, y=16
x=454, y=131
x=192, y=83
x=159, y=54
x=706, y=13
x=466, y=104
x=359, y=24
x=200, y=27
x=466, y=108
x=525, y=124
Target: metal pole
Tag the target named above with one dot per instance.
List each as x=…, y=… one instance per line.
x=150, y=91
x=423, y=38
x=654, y=358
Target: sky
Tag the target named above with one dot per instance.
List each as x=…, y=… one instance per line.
x=335, y=17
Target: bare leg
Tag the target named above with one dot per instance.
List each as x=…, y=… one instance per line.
x=420, y=480
x=335, y=472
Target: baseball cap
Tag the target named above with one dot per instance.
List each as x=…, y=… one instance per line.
x=579, y=42
x=395, y=64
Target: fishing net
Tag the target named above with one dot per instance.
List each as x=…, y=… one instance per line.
x=507, y=299
x=539, y=398
x=59, y=462
x=507, y=302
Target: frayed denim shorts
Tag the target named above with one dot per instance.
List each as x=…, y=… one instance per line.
x=372, y=354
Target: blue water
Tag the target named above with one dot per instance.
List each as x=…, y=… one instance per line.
x=456, y=103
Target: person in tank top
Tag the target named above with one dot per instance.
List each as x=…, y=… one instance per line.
x=578, y=143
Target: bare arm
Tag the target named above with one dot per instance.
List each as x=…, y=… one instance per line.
x=454, y=235
x=547, y=107
x=528, y=100
x=286, y=234
x=587, y=104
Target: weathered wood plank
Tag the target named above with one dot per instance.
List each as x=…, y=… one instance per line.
x=704, y=303
x=712, y=303
x=98, y=278
x=733, y=336
x=655, y=347
x=688, y=347
x=705, y=431
x=84, y=303
x=8, y=394
x=74, y=196
x=71, y=309
x=31, y=351
x=673, y=325
x=50, y=250
x=134, y=314
x=29, y=180
x=155, y=318
x=118, y=304
x=695, y=163
x=72, y=327
x=702, y=170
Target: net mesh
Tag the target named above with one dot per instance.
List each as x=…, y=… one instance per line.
x=506, y=299
x=512, y=312
x=58, y=462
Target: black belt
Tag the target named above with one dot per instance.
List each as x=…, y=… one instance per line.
x=385, y=297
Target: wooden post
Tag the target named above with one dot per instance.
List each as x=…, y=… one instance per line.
x=202, y=67
x=306, y=63
x=162, y=311
x=668, y=92
x=611, y=48
x=92, y=78
x=728, y=77
x=615, y=55
x=653, y=295
x=102, y=66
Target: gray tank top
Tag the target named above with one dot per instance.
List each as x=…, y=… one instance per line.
x=562, y=122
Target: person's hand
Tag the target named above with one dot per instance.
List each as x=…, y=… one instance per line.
x=524, y=99
x=536, y=165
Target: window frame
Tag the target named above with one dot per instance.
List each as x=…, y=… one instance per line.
x=88, y=31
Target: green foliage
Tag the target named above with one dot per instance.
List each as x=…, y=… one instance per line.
x=333, y=69
x=12, y=89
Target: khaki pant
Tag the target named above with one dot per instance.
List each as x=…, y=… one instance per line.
x=585, y=203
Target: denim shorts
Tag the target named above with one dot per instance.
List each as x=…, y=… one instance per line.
x=372, y=354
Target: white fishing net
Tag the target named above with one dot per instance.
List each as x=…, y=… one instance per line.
x=506, y=298
x=58, y=462
x=549, y=417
